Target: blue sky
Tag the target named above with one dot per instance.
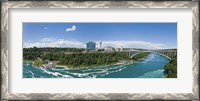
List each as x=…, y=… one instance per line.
x=129, y=35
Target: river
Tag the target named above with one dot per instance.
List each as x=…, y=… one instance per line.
x=151, y=67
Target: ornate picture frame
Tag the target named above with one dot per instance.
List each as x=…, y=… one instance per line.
x=6, y=5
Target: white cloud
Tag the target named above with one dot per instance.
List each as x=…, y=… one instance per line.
x=133, y=44
x=47, y=39
x=73, y=28
x=51, y=42
x=48, y=42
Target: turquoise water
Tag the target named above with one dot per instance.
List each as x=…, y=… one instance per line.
x=151, y=67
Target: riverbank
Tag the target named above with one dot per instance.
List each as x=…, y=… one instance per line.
x=132, y=69
x=68, y=66
x=80, y=60
x=141, y=57
x=118, y=63
x=171, y=68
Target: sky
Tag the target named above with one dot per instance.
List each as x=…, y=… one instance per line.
x=76, y=35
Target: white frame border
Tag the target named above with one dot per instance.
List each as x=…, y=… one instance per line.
x=5, y=95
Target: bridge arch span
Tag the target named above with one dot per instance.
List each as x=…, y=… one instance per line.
x=151, y=52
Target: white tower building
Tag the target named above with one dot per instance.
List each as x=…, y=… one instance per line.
x=100, y=45
x=121, y=49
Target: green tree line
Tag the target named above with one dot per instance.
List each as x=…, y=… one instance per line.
x=78, y=59
x=92, y=59
x=171, y=68
x=141, y=56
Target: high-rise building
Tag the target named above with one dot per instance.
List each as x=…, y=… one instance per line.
x=90, y=46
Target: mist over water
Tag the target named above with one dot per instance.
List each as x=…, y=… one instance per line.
x=151, y=67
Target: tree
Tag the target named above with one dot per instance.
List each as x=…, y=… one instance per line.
x=171, y=68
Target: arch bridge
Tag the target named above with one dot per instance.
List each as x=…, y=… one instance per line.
x=168, y=53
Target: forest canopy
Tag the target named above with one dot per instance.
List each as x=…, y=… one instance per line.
x=171, y=68
x=76, y=59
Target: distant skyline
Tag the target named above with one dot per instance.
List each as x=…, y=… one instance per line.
x=76, y=35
